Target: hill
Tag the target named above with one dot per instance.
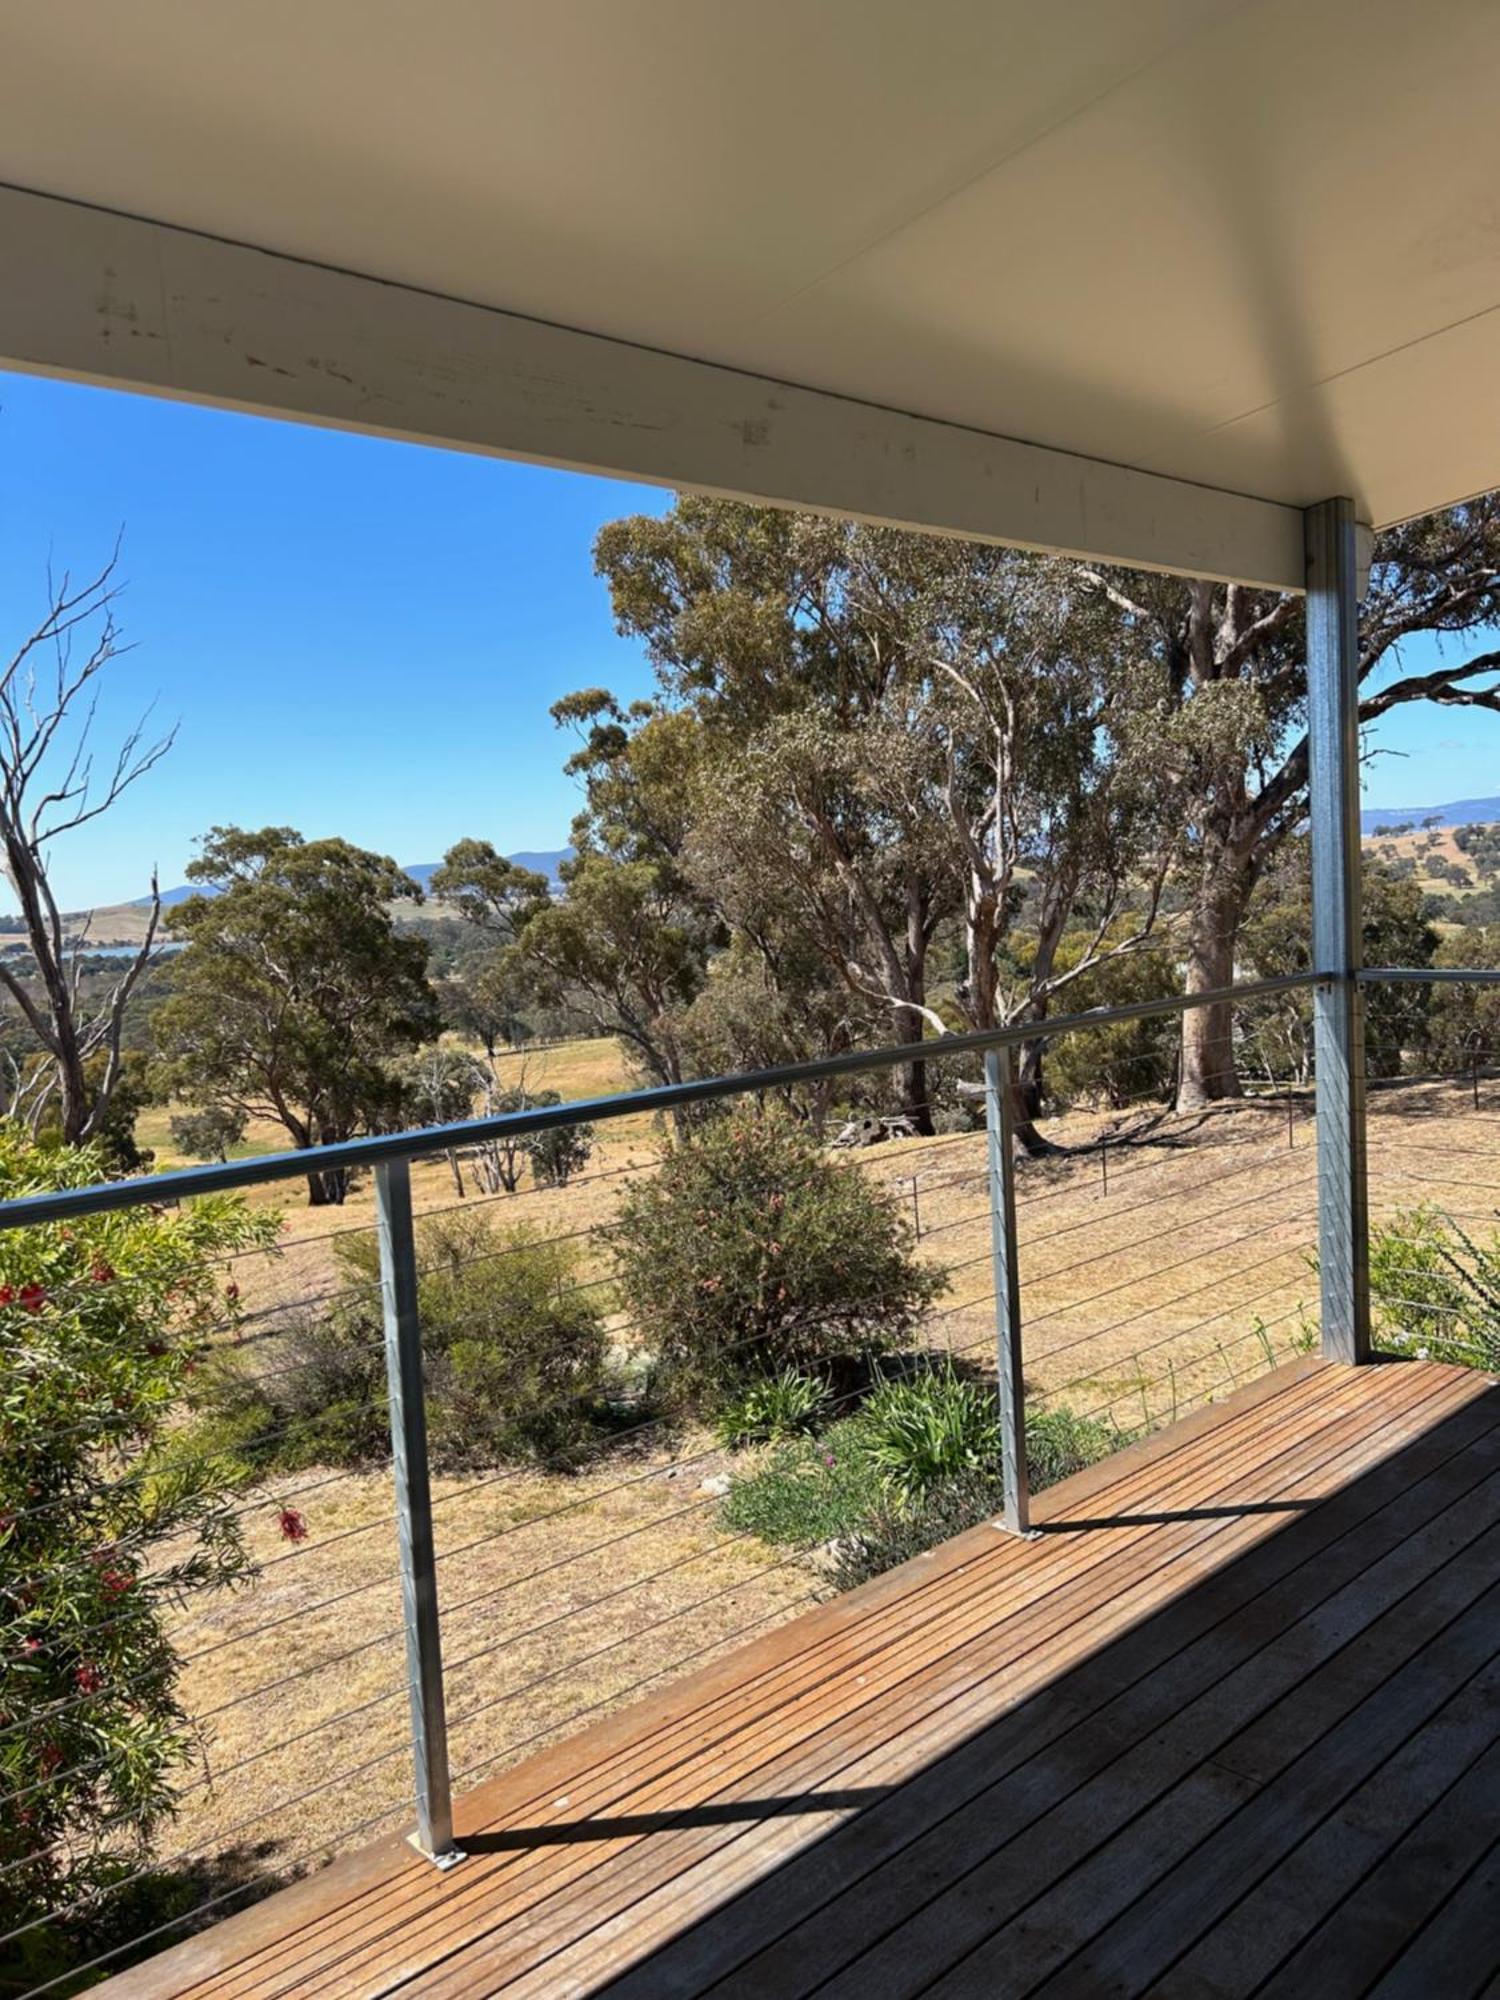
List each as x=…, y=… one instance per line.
x=1458, y=812
x=125, y=923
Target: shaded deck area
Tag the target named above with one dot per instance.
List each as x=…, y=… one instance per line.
x=1229, y=1724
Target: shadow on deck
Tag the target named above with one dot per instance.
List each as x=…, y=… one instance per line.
x=1229, y=1724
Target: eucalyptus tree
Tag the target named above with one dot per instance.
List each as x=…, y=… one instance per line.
x=295, y=995
x=1236, y=741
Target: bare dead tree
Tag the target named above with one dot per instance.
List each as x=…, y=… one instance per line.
x=50, y=786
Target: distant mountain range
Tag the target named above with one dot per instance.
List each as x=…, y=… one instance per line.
x=541, y=862
x=1458, y=812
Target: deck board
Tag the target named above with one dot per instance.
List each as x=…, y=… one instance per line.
x=1241, y=1693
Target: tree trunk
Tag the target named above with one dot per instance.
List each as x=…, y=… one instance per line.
x=1207, y=1073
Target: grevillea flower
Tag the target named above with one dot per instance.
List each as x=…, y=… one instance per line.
x=33, y=1297
x=232, y=1293
x=293, y=1525
x=50, y=1756
x=30, y=1648
x=102, y=1273
x=7, y=1295
x=87, y=1677
x=115, y=1582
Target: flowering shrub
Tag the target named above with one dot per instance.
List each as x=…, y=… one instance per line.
x=751, y=1251
x=103, y=1528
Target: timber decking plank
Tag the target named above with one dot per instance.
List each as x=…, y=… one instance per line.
x=1354, y=1528
x=1455, y=1955
x=680, y=1897
x=520, y=1934
x=1069, y=1806
x=1197, y=1471
x=1104, y=1688
x=1423, y=1863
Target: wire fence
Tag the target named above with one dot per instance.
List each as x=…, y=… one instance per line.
x=1165, y=1243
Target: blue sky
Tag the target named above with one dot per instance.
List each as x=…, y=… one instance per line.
x=363, y=638
x=356, y=637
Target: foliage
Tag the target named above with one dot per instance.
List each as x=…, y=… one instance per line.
x=560, y=1151
x=804, y=1492
x=514, y=1344
x=1275, y=1034
x=771, y=1408
x=1435, y=1290
x=1464, y=1020
x=295, y=992
x=1119, y=1062
x=924, y=1429
x=104, y=1530
x=750, y=1251
x=208, y=1134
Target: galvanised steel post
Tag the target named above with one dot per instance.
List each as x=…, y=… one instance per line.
x=1338, y=998
x=1015, y=1513
x=419, y=1605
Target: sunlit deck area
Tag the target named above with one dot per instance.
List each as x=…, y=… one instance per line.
x=1229, y=1723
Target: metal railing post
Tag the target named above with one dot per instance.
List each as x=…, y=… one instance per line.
x=1338, y=998
x=419, y=1604
x=1015, y=1512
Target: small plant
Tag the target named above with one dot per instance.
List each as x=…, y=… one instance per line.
x=750, y=1251
x=809, y=1491
x=1436, y=1291
x=928, y=1428
x=771, y=1409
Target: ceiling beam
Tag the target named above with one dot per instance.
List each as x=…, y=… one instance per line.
x=99, y=297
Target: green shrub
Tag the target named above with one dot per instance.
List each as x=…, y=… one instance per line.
x=772, y=1408
x=930, y=1427
x=104, y=1534
x=751, y=1251
x=1435, y=1290
x=805, y=1492
x=1059, y=1442
x=514, y=1344
x=558, y=1153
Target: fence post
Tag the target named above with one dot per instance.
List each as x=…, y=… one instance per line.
x=1338, y=999
x=1015, y=1512
x=419, y=1605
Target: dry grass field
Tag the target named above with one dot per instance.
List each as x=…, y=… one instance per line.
x=1164, y=1260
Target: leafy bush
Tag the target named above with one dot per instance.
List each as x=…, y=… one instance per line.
x=806, y=1492
x=750, y=1251
x=103, y=1531
x=931, y=1427
x=559, y=1153
x=772, y=1408
x=514, y=1342
x=841, y=1488
x=208, y=1134
x=1435, y=1290
x=1057, y=1443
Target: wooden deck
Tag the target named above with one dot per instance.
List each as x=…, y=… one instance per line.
x=1230, y=1724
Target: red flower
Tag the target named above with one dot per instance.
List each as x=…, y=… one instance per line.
x=30, y=1648
x=115, y=1582
x=33, y=1297
x=293, y=1525
x=102, y=1273
x=7, y=1295
x=50, y=1756
x=232, y=1293
x=87, y=1677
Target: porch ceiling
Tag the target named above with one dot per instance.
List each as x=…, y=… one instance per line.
x=1253, y=244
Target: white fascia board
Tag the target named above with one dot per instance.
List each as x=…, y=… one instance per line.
x=111, y=299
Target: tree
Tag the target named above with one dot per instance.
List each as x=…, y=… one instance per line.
x=105, y=1527
x=896, y=732
x=1275, y=1036
x=208, y=1134
x=1464, y=1020
x=1236, y=661
x=295, y=992
x=49, y=691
